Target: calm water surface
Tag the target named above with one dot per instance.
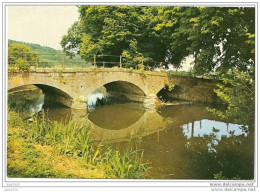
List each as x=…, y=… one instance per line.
x=179, y=142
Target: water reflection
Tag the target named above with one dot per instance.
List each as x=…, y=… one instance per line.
x=26, y=102
x=180, y=142
x=174, y=156
x=130, y=123
x=116, y=116
x=97, y=97
x=206, y=127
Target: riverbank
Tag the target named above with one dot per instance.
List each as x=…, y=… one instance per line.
x=45, y=149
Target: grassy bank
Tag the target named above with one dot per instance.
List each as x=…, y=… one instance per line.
x=45, y=149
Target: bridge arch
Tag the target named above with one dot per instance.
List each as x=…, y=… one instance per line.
x=136, y=86
x=125, y=86
x=79, y=84
x=164, y=93
x=122, y=90
x=52, y=94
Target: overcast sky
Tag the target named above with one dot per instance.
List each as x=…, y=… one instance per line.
x=44, y=25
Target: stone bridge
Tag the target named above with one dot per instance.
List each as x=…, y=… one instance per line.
x=71, y=87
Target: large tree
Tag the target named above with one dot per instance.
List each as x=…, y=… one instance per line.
x=219, y=38
x=115, y=30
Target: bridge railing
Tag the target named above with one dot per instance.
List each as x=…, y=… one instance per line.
x=61, y=60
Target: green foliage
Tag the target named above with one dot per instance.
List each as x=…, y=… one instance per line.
x=220, y=176
x=42, y=50
x=21, y=57
x=49, y=57
x=12, y=69
x=169, y=85
x=68, y=141
x=115, y=30
x=74, y=38
x=141, y=69
x=131, y=69
x=22, y=65
x=14, y=119
x=219, y=38
x=29, y=164
x=238, y=94
x=216, y=37
x=127, y=165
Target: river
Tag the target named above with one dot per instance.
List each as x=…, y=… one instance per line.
x=179, y=142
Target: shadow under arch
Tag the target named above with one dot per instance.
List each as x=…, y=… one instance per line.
x=166, y=93
x=52, y=95
x=48, y=89
x=25, y=99
x=124, y=87
x=117, y=91
x=121, y=91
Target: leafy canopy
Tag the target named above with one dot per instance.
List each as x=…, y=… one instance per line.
x=219, y=38
x=115, y=30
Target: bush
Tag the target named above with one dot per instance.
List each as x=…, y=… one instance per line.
x=17, y=53
x=238, y=94
x=22, y=65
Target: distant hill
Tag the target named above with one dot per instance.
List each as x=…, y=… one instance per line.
x=38, y=48
x=50, y=57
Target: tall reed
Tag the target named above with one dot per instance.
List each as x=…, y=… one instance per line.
x=72, y=138
x=128, y=164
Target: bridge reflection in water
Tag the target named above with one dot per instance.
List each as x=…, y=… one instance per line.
x=124, y=122
x=181, y=142
x=139, y=123
x=115, y=123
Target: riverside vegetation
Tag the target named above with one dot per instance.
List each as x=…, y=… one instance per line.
x=46, y=149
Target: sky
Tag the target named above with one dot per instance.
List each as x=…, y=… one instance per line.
x=44, y=25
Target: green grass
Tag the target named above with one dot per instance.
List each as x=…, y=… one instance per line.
x=63, y=150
